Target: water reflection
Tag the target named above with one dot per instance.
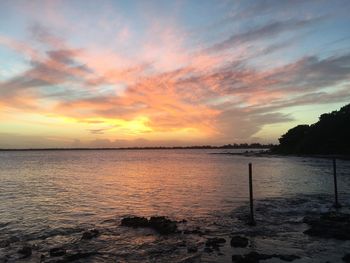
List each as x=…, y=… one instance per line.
x=50, y=190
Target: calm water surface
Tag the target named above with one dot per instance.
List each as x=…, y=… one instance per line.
x=52, y=189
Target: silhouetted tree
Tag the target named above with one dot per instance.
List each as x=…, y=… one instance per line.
x=291, y=142
x=330, y=135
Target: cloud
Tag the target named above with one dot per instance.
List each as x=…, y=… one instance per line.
x=19, y=47
x=48, y=72
x=264, y=32
x=43, y=34
x=240, y=125
x=314, y=73
x=169, y=86
x=213, y=99
x=55, y=69
x=97, y=131
x=336, y=96
x=265, y=7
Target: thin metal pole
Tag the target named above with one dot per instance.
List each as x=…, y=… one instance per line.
x=336, y=204
x=252, y=221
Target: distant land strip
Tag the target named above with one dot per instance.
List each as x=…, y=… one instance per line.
x=227, y=146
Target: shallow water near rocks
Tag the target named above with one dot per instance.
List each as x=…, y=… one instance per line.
x=50, y=198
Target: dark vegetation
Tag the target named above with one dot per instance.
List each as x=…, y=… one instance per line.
x=330, y=135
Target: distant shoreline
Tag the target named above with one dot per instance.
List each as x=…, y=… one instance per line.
x=263, y=151
x=268, y=153
x=224, y=147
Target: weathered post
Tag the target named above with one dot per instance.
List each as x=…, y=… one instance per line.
x=336, y=204
x=251, y=221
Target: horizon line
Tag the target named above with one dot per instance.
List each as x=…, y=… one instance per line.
x=226, y=146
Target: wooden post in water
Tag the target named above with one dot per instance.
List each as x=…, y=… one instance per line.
x=251, y=221
x=336, y=204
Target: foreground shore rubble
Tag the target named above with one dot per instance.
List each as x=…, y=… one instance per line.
x=280, y=234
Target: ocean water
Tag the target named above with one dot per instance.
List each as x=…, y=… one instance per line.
x=48, y=198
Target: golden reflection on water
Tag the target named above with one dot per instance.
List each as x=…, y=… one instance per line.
x=66, y=186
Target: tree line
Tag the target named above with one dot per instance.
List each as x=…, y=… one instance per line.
x=329, y=135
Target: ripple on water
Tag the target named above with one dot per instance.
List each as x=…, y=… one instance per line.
x=48, y=200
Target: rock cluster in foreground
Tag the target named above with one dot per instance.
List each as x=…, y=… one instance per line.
x=254, y=257
x=329, y=225
x=161, y=224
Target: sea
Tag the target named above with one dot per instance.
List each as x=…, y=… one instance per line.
x=48, y=199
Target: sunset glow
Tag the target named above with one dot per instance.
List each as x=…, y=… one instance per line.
x=151, y=73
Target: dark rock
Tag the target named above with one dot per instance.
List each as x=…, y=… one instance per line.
x=329, y=225
x=57, y=252
x=288, y=258
x=346, y=258
x=215, y=242
x=309, y=219
x=78, y=255
x=255, y=257
x=163, y=225
x=193, y=232
x=190, y=259
x=240, y=259
x=192, y=249
x=238, y=241
x=7, y=242
x=208, y=250
x=4, y=224
x=335, y=216
x=13, y=239
x=90, y=234
x=25, y=251
x=35, y=247
x=4, y=243
x=135, y=221
x=182, y=243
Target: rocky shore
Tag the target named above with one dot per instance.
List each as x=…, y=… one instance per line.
x=287, y=230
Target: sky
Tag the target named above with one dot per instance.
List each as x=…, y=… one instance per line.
x=168, y=73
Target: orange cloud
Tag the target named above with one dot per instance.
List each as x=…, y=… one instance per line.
x=167, y=88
